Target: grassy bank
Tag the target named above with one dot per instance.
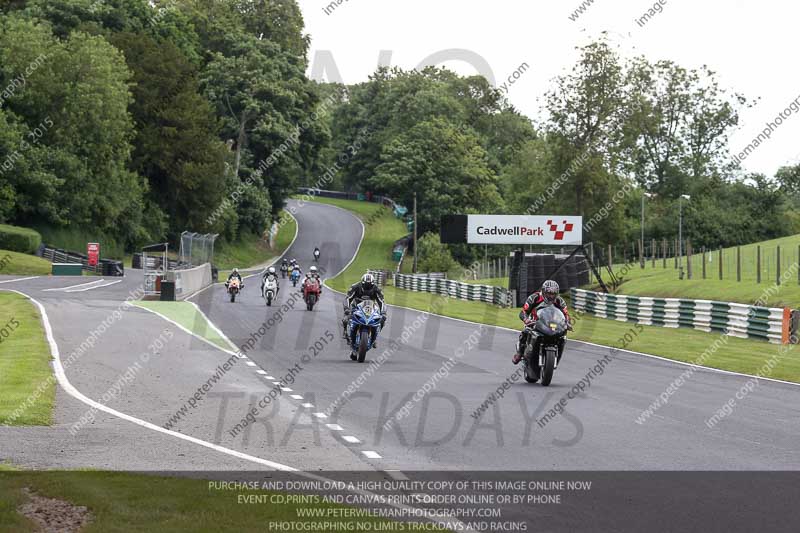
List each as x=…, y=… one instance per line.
x=25, y=380
x=16, y=264
x=382, y=230
x=122, y=502
x=683, y=344
x=664, y=282
x=252, y=251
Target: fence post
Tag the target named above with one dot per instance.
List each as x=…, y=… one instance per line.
x=676, y=253
x=653, y=251
x=704, y=262
x=778, y=263
x=758, y=264
x=738, y=263
x=720, y=263
x=688, y=259
x=641, y=253
x=664, y=251
x=610, y=261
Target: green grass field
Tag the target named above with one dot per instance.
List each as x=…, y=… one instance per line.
x=187, y=315
x=683, y=344
x=17, y=264
x=382, y=229
x=123, y=502
x=658, y=281
x=25, y=375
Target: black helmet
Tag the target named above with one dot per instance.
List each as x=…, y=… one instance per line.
x=550, y=290
x=367, y=280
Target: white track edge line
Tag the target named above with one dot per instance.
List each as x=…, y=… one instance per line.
x=101, y=280
x=18, y=279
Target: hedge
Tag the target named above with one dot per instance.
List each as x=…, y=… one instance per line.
x=16, y=239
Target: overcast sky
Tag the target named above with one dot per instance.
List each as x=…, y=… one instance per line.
x=753, y=46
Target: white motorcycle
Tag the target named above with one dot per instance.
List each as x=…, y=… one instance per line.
x=270, y=290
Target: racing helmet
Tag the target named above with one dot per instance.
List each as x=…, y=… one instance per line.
x=367, y=281
x=235, y=271
x=271, y=270
x=550, y=290
x=312, y=270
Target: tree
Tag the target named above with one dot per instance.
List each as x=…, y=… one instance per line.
x=445, y=166
x=76, y=103
x=584, y=112
x=433, y=256
x=176, y=145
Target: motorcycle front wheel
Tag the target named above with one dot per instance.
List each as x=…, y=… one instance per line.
x=362, y=346
x=549, y=365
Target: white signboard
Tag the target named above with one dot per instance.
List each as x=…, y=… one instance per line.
x=525, y=229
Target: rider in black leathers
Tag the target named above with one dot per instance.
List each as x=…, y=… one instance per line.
x=366, y=289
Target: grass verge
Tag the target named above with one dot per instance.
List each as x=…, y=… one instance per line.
x=123, y=502
x=187, y=315
x=664, y=282
x=382, y=230
x=17, y=264
x=25, y=374
x=682, y=344
x=251, y=251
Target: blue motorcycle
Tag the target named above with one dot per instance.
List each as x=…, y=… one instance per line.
x=294, y=277
x=365, y=323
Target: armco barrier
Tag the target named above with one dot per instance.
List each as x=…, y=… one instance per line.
x=189, y=281
x=454, y=289
x=736, y=320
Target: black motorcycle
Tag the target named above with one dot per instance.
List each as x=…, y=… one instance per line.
x=284, y=271
x=545, y=335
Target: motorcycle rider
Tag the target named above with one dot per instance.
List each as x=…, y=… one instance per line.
x=548, y=293
x=366, y=289
x=316, y=253
x=235, y=274
x=284, y=267
x=270, y=274
x=313, y=273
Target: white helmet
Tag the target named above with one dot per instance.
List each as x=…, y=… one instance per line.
x=312, y=270
x=271, y=270
x=367, y=280
x=235, y=271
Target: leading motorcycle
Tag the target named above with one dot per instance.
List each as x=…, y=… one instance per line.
x=545, y=335
x=365, y=321
x=311, y=292
x=234, y=287
x=270, y=290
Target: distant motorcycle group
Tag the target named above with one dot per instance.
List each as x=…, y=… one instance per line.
x=311, y=285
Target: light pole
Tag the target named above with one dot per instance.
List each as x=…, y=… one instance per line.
x=641, y=255
x=680, y=233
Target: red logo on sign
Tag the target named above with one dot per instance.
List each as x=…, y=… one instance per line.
x=559, y=233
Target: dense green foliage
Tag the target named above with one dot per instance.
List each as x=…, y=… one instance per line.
x=137, y=120
x=18, y=239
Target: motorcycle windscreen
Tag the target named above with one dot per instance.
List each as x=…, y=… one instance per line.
x=551, y=320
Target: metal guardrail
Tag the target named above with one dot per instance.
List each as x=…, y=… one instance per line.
x=736, y=320
x=104, y=267
x=455, y=289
